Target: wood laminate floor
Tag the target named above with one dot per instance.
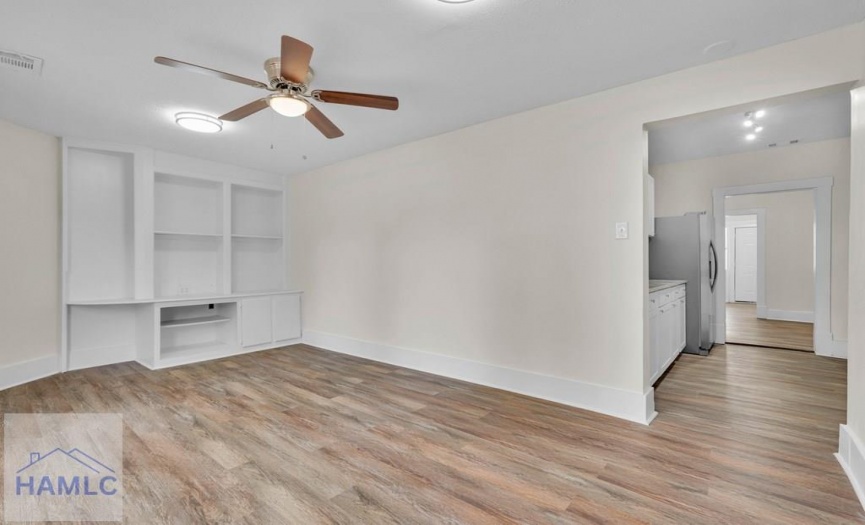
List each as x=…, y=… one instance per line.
x=304, y=436
x=743, y=327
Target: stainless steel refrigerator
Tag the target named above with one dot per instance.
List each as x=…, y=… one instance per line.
x=682, y=249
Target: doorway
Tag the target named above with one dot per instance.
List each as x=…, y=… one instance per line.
x=743, y=258
x=744, y=276
x=773, y=308
x=768, y=147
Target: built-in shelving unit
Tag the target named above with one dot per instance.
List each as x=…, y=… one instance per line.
x=257, y=252
x=184, y=204
x=197, y=329
x=178, y=323
x=170, y=260
x=100, y=224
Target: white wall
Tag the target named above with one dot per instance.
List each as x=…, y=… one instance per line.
x=789, y=248
x=495, y=243
x=687, y=186
x=30, y=239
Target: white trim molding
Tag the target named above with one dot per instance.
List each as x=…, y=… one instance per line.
x=633, y=406
x=824, y=342
x=24, y=372
x=851, y=456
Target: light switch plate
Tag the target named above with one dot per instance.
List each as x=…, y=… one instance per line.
x=621, y=230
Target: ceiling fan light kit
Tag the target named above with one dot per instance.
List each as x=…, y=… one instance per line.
x=288, y=105
x=289, y=77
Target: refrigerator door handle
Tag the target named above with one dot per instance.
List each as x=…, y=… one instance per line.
x=713, y=272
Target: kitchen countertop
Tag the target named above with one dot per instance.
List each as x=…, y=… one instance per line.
x=657, y=285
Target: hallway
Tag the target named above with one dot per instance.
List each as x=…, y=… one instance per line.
x=743, y=327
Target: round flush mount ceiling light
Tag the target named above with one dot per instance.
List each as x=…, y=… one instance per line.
x=750, y=136
x=288, y=105
x=198, y=122
x=758, y=129
x=719, y=49
x=748, y=123
x=760, y=113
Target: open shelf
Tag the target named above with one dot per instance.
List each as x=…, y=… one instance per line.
x=194, y=332
x=256, y=212
x=182, y=354
x=270, y=237
x=188, y=234
x=101, y=219
x=188, y=265
x=187, y=204
x=257, y=264
x=194, y=321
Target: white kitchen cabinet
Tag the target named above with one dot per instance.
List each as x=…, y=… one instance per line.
x=667, y=328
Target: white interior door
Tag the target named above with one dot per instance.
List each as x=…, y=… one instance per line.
x=745, y=278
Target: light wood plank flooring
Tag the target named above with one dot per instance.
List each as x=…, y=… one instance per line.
x=300, y=435
x=743, y=327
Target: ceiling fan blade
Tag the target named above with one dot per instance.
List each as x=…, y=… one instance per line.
x=357, y=99
x=295, y=57
x=207, y=71
x=245, y=111
x=322, y=123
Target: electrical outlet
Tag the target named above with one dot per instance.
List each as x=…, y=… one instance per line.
x=621, y=230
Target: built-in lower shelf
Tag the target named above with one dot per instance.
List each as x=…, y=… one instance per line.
x=188, y=234
x=212, y=319
x=177, y=355
x=263, y=237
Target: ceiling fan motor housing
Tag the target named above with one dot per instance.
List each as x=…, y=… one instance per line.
x=273, y=67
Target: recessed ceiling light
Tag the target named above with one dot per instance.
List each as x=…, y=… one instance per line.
x=750, y=136
x=198, y=122
x=760, y=113
x=748, y=123
x=288, y=105
x=758, y=129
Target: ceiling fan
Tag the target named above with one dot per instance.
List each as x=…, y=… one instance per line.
x=289, y=77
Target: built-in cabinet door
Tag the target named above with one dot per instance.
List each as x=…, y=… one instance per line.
x=286, y=317
x=654, y=348
x=675, y=330
x=666, y=327
x=683, y=326
x=257, y=320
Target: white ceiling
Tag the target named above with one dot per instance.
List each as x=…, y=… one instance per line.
x=811, y=117
x=452, y=65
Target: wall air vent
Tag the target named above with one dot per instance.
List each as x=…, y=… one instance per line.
x=19, y=62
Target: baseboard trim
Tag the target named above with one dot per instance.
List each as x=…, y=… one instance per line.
x=851, y=456
x=20, y=373
x=632, y=406
x=789, y=315
x=827, y=346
